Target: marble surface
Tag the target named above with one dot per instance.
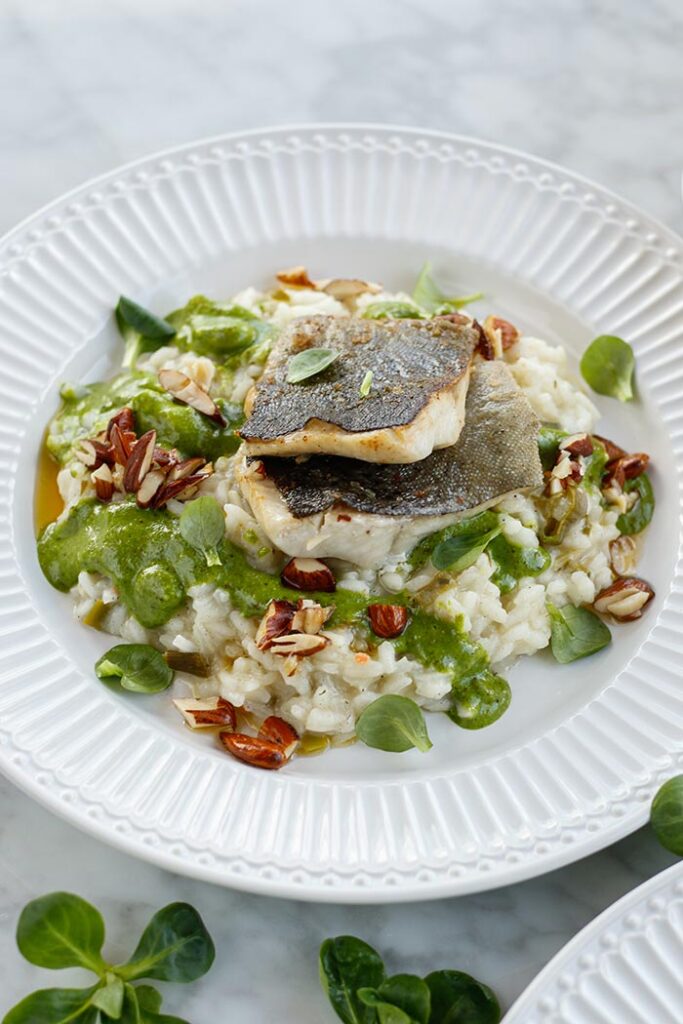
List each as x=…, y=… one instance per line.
x=86, y=86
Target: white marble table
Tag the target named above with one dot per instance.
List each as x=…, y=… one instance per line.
x=595, y=85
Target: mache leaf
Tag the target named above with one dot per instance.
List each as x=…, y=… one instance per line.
x=61, y=930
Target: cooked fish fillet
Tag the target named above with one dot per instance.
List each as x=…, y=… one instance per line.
x=420, y=372
x=339, y=508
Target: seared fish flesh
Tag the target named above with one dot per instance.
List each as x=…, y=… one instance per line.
x=420, y=372
x=340, y=508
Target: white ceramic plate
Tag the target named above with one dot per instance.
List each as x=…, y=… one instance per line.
x=573, y=764
x=624, y=967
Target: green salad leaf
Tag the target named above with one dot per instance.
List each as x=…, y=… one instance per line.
x=402, y=999
x=458, y=998
x=608, y=365
x=62, y=930
x=346, y=965
x=575, y=633
x=354, y=978
x=666, y=815
x=202, y=524
x=549, y=441
x=392, y=309
x=175, y=946
x=457, y=546
x=137, y=667
x=429, y=296
x=55, y=1006
x=638, y=517
x=310, y=363
x=141, y=330
x=393, y=723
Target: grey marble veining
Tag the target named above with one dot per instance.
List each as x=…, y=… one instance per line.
x=593, y=84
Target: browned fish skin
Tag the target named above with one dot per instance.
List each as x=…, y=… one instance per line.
x=411, y=361
x=497, y=453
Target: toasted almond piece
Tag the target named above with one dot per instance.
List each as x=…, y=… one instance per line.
x=388, y=620
x=104, y=482
x=278, y=731
x=568, y=469
x=501, y=333
x=253, y=751
x=139, y=461
x=300, y=644
x=613, y=450
x=188, y=467
x=93, y=453
x=625, y=599
x=458, y=318
x=485, y=345
x=124, y=419
x=275, y=623
x=192, y=662
x=179, y=489
x=577, y=444
x=165, y=459
x=122, y=442
x=149, y=488
x=308, y=574
x=344, y=288
x=295, y=277
x=623, y=551
x=206, y=712
x=187, y=391
x=310, y=617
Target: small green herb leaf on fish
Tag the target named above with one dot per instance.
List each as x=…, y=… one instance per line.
x=429, y=296
x=138, y=667
x=392, y=309
x=393, y=723
x=61, y=930
x=458, y=998
x=638, y=517
x=175, y=946
x=608, y=365
x=575, y=633
x=202, y=524
x=480, y=700
x=666, y=815
x=309, y=363
x=346, y=965
x=366, y=384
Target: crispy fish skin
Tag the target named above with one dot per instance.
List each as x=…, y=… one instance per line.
x=496, y=454
x=420, y=371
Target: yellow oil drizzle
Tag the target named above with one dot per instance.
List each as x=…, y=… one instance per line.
x=47, y=501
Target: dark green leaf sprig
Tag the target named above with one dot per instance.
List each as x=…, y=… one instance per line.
x=360, y=991
x=62, y=930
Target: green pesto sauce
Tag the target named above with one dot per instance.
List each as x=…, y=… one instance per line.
x=153, y=567
x=513, y=562
x=87, y=409
x=216, y=329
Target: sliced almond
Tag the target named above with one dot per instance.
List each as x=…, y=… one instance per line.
x=345, y=288
x=104, y=482
x=189, y=392
x=93, y=453
x=150, y=488
x=501, y=333
x=124, y=419
x=186, y=468
x=388, y=620
x=275, y=623
x=253, y=751
x=295, y=277
x=207, y=712
x=625, y=599
x=300, y=644
x=623, y=553
x=278, y=731
x=308, y=574
x=122, y=442
x=310, y=617
x=577, y=444
x=139, y=461
x=613, y=450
